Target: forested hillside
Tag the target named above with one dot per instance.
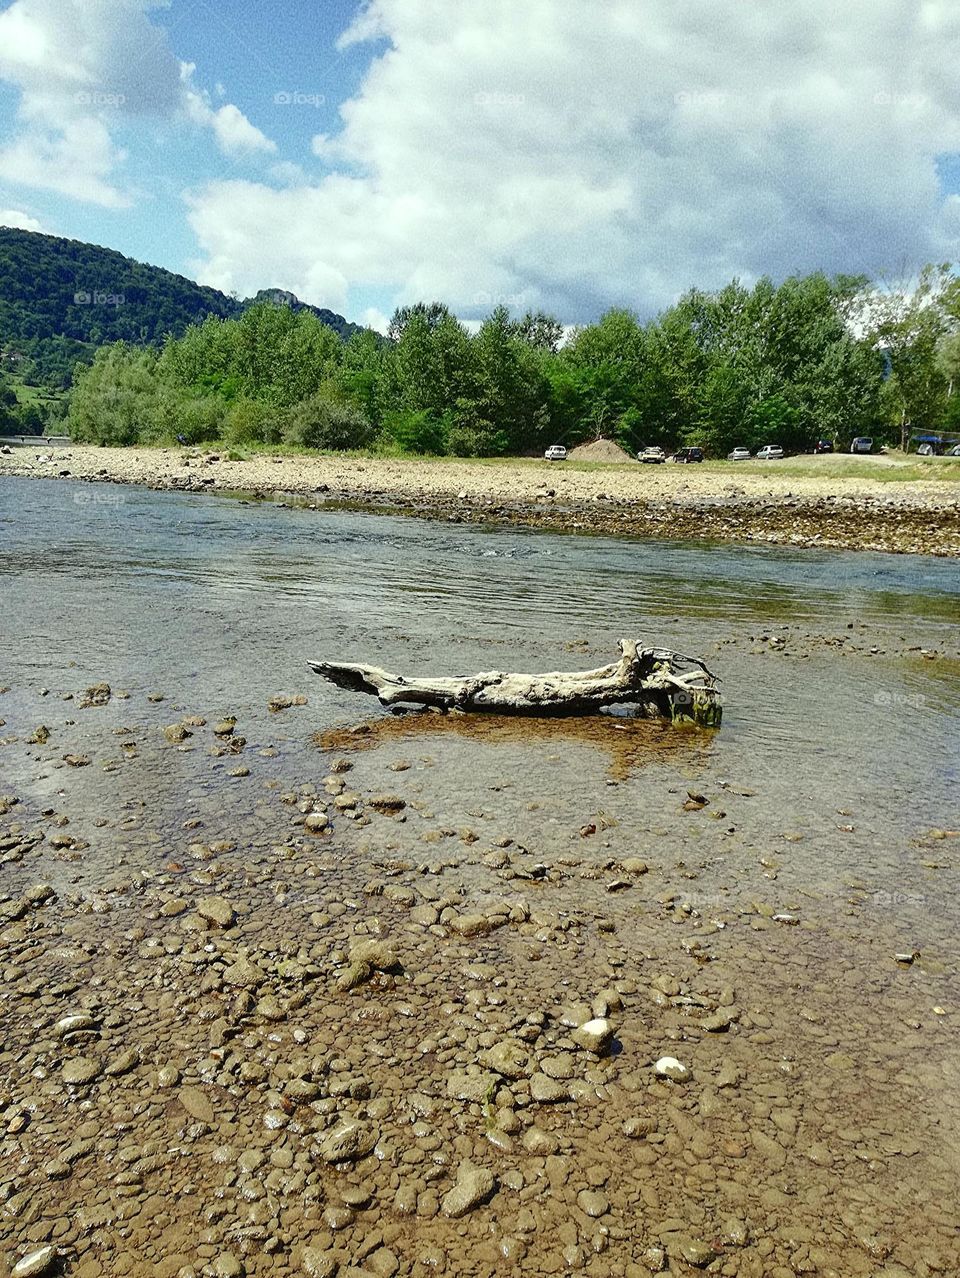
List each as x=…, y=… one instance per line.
x=61, y=299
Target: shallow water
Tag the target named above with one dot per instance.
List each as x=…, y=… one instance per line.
x=832, y=790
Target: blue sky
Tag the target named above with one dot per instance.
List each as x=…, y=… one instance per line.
x=567, y=155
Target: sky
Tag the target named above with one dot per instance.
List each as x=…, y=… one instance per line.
x=569, y=155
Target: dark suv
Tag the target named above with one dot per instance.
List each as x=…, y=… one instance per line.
x=688, y=455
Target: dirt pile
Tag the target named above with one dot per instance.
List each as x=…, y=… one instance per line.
x=601, y=450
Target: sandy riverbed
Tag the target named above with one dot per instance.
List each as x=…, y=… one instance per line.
x=835, y=509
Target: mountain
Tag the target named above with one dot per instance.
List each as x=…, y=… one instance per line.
x=60, y=299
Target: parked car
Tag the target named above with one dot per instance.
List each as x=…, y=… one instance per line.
x=953, y=452
x=688, y=455
x=823, y=446
x=770, y=452
x=862, y=444
x=556, y=452
x=652, y=454
x=925, y=450
x=739, y=454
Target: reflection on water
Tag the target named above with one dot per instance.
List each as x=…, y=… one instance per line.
x=627, y=744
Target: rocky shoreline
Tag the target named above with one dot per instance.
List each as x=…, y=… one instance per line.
x=300, y=1023
x=848, y=513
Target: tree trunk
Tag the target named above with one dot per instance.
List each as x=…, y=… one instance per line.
x=657, y=681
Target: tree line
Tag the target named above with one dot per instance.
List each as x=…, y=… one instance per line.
x=812, y=357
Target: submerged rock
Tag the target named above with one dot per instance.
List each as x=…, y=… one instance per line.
x=347, y=1142
x=474, y=1185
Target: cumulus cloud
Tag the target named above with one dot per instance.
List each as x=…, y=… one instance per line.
x=84, y=68
x=577, y=156
x=20, y=221
x=231, y=128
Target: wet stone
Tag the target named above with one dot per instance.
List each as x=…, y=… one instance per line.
x=348, y=1141
x=35, y=1264
x=593, y=1035
x=81, y=1070
x=197, y=1104
x=593, y=1202
x=474, y=1185
x=216, y=910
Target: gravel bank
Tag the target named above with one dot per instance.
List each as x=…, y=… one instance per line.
x=845, y=512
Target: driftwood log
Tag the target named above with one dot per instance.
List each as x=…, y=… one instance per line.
x=659, y=683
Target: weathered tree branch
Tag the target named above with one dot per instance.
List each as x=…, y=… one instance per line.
x=659, y=682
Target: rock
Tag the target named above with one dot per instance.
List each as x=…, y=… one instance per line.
x=123, y=1063
x=472, y=924
x=375, y=952
x=227, y=1265
x=353, y=976
x=474, y=1186
x=282, y=702
x=593, y=1035
x=81, y=1070
x=348, y=1141
x=168, y=1076
x=35, y=1264
x=537, y=1141
x=719, y=1021
x=477, y=1088
x=77, y=760
x=547, y=1091
x=593, y=1202
x=507, y=1057
x=383, y=1262
x=39, y=736
x=269, y=1008
x=316, y=1263
x=634, y=865
x=176, y=732
x=670, y=1067
x=217, y=910
x=245, y=974
x=316, y=822
x=388, y=804
x=197, y=1104
x=96, y=695
x=73, y=1023
x=225, y=727
x=693, y=1251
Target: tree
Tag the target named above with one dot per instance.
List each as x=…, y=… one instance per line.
x=906, y=321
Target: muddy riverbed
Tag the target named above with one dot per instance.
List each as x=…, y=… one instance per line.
x=316, y=990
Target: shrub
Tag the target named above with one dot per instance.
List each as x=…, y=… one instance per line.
x=321, y=422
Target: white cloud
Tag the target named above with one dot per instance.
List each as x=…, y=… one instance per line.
x=19, y=220
x=375, y=319
x=84, y=69
x=231, y=128
x=580, y=155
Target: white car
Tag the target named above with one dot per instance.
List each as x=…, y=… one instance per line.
x=556, y=452
x=739, y=454
x=652, y=454
x=770, y=452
